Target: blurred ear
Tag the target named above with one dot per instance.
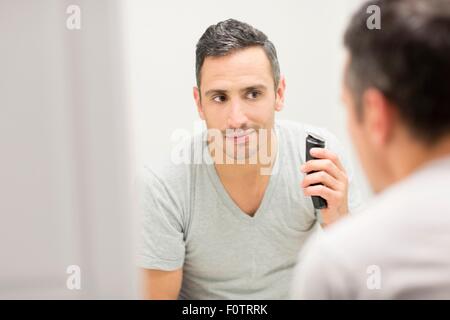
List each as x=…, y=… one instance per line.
x=378, y=117
x=198, y=102
x=279, y=102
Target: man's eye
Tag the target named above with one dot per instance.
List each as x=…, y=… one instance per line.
x=219, y=98
x=253, y=95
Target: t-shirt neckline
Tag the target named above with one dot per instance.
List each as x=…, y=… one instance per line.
x=271, y=186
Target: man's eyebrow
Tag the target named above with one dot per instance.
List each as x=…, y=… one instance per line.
x=211, y=91
x=254, y=87
x=249, y=88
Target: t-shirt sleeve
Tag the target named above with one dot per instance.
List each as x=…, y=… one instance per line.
x=161, y=242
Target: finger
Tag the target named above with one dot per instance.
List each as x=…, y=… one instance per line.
x=321, y=191
x=323, y=165
x=321, y=177
x=322, y=153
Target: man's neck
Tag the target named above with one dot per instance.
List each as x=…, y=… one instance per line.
x=240, y=172
x=414, y=156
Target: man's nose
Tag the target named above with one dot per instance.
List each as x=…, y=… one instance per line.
x=236, y=117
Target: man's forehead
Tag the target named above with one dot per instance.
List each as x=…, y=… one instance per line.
x=244, y=67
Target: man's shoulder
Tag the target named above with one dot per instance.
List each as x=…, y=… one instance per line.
x=402, y=209
x=174, y=170
x=384, y=236
x=359, y=239
x=339, y=256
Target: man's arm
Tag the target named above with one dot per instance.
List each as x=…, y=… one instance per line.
x=161, y=285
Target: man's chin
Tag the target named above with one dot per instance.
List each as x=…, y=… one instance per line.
x=242, y=154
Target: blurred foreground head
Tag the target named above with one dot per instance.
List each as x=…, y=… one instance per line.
x=397, y=85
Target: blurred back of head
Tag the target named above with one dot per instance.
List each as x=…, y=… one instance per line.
x=408, y=60
x=396, y=86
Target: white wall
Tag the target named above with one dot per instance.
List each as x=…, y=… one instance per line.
x=161, y=41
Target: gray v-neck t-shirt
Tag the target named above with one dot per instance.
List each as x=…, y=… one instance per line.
x=190, y=221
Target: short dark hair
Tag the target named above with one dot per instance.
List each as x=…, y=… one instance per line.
x=408, y=60
x=227, y=36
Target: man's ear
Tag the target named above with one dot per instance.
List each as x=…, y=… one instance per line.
x=378, y=116
x=279, y=102
x=196, y=92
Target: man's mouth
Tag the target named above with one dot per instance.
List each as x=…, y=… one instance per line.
x=238, y=136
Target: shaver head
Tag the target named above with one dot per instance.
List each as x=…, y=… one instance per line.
x=316, y=140
x=313, y=141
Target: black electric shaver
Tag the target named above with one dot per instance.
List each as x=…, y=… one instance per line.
x=314, y=141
